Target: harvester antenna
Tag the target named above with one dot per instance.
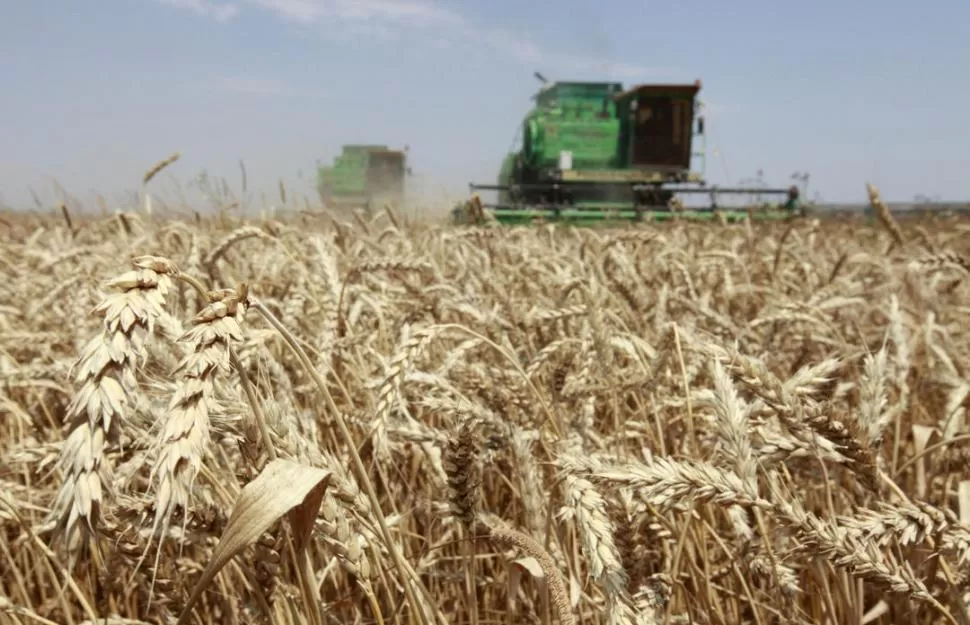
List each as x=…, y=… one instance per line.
x=540, y=77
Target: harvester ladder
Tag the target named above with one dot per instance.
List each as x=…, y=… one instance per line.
x=702, y=152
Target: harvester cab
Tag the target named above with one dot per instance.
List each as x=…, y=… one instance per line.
x=594, y=151
x=364, y=177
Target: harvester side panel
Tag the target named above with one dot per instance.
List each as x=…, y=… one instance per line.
x=591, y=142
x=574, y=117
x=385, y=174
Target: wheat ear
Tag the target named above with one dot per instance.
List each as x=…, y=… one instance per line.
x=185, y=435
x=105, y=372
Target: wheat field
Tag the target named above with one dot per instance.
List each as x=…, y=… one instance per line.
x=365, y=420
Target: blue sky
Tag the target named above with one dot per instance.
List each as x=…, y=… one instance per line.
x=95, y=91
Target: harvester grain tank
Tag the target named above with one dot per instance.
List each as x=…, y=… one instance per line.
x=364, y=176
x=592, y=151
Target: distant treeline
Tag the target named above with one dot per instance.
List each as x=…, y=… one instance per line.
x=903, y=208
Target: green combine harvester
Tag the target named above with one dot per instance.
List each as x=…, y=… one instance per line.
x=363, y=177
x=592, y=152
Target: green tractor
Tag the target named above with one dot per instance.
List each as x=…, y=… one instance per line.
x=365, y=177
x=594, y=152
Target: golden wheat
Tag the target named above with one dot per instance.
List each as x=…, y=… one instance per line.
x=395, y=421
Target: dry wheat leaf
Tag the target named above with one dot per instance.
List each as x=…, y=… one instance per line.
x=531, y=565
x=533, y=568
x=964, y=500
x=284, y=487
x=514, y=583
x=875, y=612
x=921, y=438
x=575, y=592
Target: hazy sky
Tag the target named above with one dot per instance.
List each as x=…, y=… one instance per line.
x=95, y=91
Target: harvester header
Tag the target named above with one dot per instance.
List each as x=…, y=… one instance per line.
x=594, y=150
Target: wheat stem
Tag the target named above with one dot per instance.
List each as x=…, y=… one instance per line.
x=361, y=472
